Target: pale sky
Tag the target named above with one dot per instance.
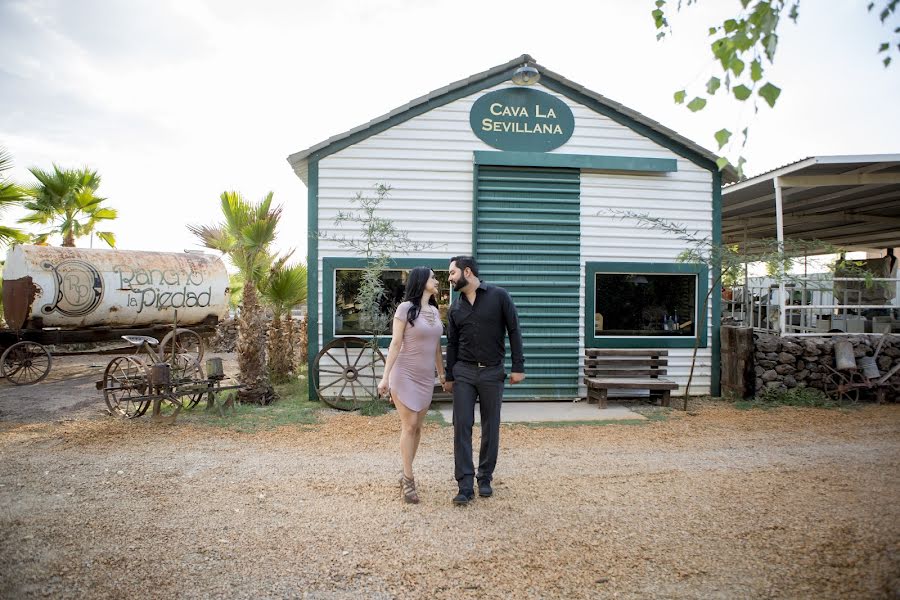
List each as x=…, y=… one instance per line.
x=175, y=101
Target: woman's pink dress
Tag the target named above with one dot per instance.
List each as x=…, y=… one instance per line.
x=412, y=376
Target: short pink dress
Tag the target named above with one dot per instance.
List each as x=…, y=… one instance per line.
x=412, y=376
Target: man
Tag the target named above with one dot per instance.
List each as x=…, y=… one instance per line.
x=480, y=318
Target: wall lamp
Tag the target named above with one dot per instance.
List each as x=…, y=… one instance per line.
x=526, y=75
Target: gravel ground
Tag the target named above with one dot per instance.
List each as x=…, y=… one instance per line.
x=719, y=503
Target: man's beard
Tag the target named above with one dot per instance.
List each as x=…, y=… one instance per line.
x=460, y=283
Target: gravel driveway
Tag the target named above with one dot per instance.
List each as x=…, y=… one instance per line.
x=787, y=503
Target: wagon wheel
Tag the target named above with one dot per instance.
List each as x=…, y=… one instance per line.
x=347, y=371
x=189, y=383
x=187, y=341
x=24, y=363
x=840, y=387
x=125, y=386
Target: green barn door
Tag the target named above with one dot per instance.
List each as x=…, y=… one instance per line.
x=527, y=240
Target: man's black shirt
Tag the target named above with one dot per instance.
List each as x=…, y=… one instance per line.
x=476, y=333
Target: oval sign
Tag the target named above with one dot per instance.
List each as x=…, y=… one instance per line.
x=522, y=120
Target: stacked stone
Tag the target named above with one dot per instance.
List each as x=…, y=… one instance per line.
x=225, y=338
x=784, y=363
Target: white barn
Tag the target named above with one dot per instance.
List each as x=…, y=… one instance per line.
x=524, y=178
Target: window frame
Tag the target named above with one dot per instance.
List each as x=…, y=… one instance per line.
x=591, y=269
x=330, y=266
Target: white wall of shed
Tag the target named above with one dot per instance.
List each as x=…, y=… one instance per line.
x=428, y=162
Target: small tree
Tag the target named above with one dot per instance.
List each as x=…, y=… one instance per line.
x=246, y=237
x=10, y=195
x=377, y=241
x=728, y=259
x=285, y=288
x=66, y=200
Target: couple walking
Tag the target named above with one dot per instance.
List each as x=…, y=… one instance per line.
x=480, y=318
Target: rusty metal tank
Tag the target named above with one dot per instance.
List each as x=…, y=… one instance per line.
x=75, y=288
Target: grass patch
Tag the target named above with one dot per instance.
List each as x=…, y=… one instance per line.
x=804, y=397
x=375, y=408
x=292, y=408
x=436, y=417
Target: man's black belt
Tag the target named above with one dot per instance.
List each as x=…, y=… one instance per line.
x=480, y=365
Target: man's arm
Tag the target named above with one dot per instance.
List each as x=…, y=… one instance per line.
x=511, y=317
x=452, y=346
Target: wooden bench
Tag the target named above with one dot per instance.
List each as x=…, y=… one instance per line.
x=626, y=370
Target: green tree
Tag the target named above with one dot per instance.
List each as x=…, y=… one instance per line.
x=284, y=289
x=245, y=236
x=66, y=200
x=10, y=195
x=726, y=259
x=745, y=45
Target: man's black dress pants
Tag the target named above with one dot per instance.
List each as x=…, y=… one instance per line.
x=484, y=384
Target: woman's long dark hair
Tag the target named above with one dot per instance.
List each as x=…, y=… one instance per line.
x=415, y=287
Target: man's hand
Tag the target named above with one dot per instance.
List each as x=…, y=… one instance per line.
x=448, y=386
x=515, y=378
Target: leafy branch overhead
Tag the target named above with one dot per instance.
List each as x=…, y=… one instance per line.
x=744, y=47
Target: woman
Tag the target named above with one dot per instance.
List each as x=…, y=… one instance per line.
x=414, y=355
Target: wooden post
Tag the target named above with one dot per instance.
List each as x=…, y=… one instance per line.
x=738, y=374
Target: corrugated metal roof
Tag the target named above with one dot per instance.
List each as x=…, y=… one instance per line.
x=858, y=207
x=298, y=159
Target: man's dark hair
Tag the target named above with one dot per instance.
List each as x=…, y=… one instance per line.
x=466, y=261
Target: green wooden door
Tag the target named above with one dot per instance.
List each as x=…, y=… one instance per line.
x=527, y=240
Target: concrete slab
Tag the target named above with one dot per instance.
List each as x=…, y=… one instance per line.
x=539, y=412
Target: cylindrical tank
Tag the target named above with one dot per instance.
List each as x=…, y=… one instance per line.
x=73, y=288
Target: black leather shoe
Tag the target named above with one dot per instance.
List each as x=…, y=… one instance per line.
x=463, y=498
x=484, y=489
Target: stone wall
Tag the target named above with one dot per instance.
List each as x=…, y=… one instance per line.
x=790, y=362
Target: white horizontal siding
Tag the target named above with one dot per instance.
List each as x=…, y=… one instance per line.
x=428, y=162
x=683, y=197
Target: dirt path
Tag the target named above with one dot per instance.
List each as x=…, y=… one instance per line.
x=787, y=503
x=69, y=391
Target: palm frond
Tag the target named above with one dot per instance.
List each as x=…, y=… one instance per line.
x=214, y=237
x=108, y=237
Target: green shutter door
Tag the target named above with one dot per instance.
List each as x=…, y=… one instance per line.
x=527, y=240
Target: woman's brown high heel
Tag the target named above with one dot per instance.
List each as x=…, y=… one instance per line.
x=408, y=489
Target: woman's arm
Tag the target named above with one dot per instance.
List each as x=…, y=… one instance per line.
x=399, y=327
x=439, y=363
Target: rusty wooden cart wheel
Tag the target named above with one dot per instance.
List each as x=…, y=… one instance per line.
x=841, y=388
x=125, y=385
x=186, y=372
x=347, y=372
x=25, y=363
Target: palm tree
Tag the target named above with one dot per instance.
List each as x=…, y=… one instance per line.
x=285, y=288
x=10, y=195
x=66, y=200
x=245, y=236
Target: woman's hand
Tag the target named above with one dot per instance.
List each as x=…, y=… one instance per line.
x=383, y=387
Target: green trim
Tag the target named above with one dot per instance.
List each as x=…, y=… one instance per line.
x=330, y=264
x=576, y=161
x=716, y=389
x=475, y=171
x=645, y=130
x=592, y=268
x=312, y=275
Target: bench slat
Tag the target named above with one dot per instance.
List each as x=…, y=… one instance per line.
x=631, y=383
x=624, y=372
x=646, y=362
x=629, y=352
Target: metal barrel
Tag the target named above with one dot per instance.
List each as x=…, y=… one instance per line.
x=160, y=374
x=843, y=356
x=869, y=367
x=214, y=368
